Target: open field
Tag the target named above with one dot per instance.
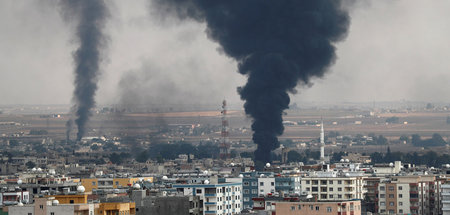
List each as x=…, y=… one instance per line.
x=346, y=122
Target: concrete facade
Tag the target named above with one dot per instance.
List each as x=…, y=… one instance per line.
x=318, y=208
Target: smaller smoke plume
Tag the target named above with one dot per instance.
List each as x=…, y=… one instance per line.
x=90, y=16
x=69, y=125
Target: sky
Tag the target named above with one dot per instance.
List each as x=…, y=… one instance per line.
x=395, y=50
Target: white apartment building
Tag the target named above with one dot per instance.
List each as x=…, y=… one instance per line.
x=332, y=186
x=445, y=193
x=218, y=198
x=266, y=185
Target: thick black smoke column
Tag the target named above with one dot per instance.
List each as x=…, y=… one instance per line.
x=90, y=17
x=277, y=44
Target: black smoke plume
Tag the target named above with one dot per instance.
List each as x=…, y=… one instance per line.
x=90, y=17
x=69, y=125
x=277, y=44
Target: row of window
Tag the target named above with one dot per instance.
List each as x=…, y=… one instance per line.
x=324, y=189
x=391, y=196
x=391, y=203
x=254, y=183
x=390, y=188
x=311, y=207
x=324, y=182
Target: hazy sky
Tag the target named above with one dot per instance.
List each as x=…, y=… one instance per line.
x=395, y=50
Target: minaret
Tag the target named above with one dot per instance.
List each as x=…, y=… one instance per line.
x=322, y=142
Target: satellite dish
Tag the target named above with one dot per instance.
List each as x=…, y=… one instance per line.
x=81, y=189
x=309, y=196
x=137, y=186
x=268, y=165
x=206, y=182
x=19, y=181
x=165, y=178
x=241, y=176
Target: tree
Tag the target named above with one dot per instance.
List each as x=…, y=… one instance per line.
x=142, y=157
x=30, y=164
x=416, y=140
x=294, y=156
x=404, y=138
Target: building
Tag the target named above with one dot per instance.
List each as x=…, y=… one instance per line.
x=409, y=195
x=111, y=183
x=50, y=206
x=319, y=208
x=13, y=196
x=218, y=198
x=445, y=193
x=166, y=205
x=330, y=186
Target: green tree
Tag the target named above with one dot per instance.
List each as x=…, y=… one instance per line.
x=294, y=156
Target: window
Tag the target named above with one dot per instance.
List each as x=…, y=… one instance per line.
x=315, y=189
x=311, y=207
x=308, y=182
x=272, y=184
x=339, y=196
x=400, y=195
x=254, y=191
x=382, y=203
x=93, y=183
x=391, y=188
x=254, y=183
x=117, y=183
x=391, y=196
x=246, y=191
x=71, y=201
x=317, y=208
x=329, y=209
x=400, y=211
x=246, y=199
x=292, y=208
x=261, y=191
x=52, y=213
x=246, y=183
x=261, y=183
x=339, y=182
x=391, y=203
x=41, y=206
x=199, y=191
x=382, y=188
x=299, y=207
x=30, y=214
x=339, y=188
x=330, y=182
x=400, y=203
x=400, y=188
x=331, y=189
x=382, y=196
x=308, y=189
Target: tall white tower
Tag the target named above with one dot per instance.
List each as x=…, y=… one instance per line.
x=322, y=142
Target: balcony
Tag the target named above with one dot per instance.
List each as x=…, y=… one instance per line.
x=413, y=199
x=210, y=203
x=414, y=207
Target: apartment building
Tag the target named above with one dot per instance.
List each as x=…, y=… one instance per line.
x=319, y=208
x=111, y=183
x=445, y=200
x=218, y=198
x=409, y=195
x=333, y=186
